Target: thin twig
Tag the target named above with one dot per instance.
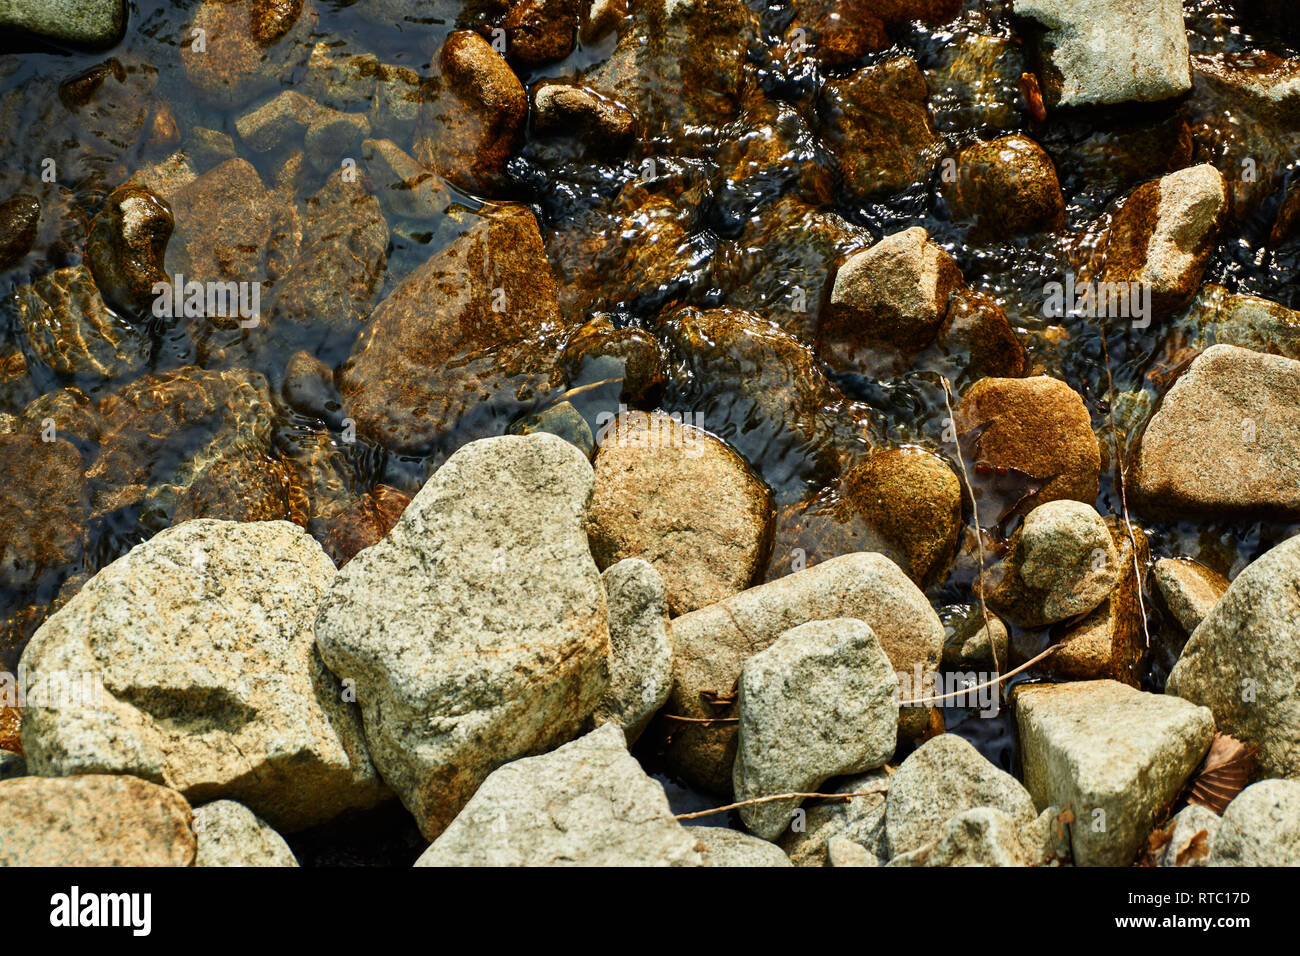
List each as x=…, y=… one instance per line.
x=838, y=797
x=927, y=701
x=1122, y=474
x=702, y=720
x=975, y=514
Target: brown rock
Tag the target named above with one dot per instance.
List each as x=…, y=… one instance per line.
x=1225, y=440
x=598, y=351
x=42, y=508
x=1038, y=426
x=364, y=523
x=886, y=304
x=223, y=226
x=247, y=47
x=876, y=123
x=539, y=31
x=568, y=109
x=269, y=20
x=976, y=341
x=93, y=820
x=474, y=117
x=245, y=488
x=128, y=246
x=838, y=33
x=647, y=503
x=1007, y=187
x=482, y=314
x=1190, y=590
x=19, y=217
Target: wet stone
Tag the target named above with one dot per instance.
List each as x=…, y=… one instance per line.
x=19, y=217
x=974, y=83
x=364, y=523
x=248, y=46
x=405, y=187
x=1006, y=187
x=569, y=109
x=128, y=246
x=599, y=351
x=540, y=31
x=42, y=508
x=72, y=331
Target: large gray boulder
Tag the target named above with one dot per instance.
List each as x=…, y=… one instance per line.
x=1243, y=661
x=1261, y=827
x=712, y=644
x=942, y=778
x=819, y=703
x=1099, y=52
x=588, y=803
x=475, y=633
x=203, y=638
x=1112, y=754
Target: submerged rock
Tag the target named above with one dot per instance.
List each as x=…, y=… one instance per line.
x=1225, y=441
x=43, y=502
x=588, y=803
x=128, y=246
x=820, y=702
x=466, y=651
x=211, y=680
x=482, y=313
x=1099, y=52
x=650, y=470
x=247, y=47
x=1006, y=187
x=1114, y=755
x=93, y=820
x=20, y=216
x=1242, y=661
x=876, y=123
x=364, y=523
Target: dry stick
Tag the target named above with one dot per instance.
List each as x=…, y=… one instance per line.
x=841, y=797
x=1123, y=486
x=975, y=513
x=927, y=701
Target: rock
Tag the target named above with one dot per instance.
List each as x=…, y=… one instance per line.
x=1038, y=426
x=128, y=246
x=308, y=386
x=279, y=123
x=876, y=123
x=969, y=642
x=466, y=651
x=568, y=109
x=1190, y=590
x=405, y=187
x=1261, y=827
x=335, y=138
x=887, y=304
x=777, y=266
x=680, y=64
x=713, y=643
x=1242, y=660
x=209, y=147
x=484, y=311
x=588, y=803
x=364, y=523
x=563, y=420
x=974, y=82
x=1190, y=834
x=859, y=819
x=732, y=848
x=325, y=298
x=599, y=351
x=1006, y=187
x=247, y=47
x=20, y=216
x=640, y=647
x=42, y=508
x=1218, y=317
x=975, y=341
x=163, y=432
x=473, y=120
x=1114, y=755
x=12, y=765
x=66, y=413
x=819, y=702
x=211, y=681
x=395, y=109
x=1100, y=52
x=842, y=851
x=1111, y=641
x=761, y=391
x=647, y=504
x=1222, y=442
x=93, y=820
x=88, y=24
x=1163, y=236
x=241, y=488
x=344, y=82
x=913, y=500
x=223, y=228
x=72, y=331
x=541, y=31
x=229, y=834
x=1063, y=563
x=942, y=778
x=982, y=836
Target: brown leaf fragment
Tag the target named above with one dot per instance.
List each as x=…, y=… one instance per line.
x=1224, y=773
x=1198, y=848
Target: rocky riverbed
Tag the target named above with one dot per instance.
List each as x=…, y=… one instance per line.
x=650, y=432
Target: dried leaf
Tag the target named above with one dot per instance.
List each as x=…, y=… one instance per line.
x=1224, y=773
x=1198, y=848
